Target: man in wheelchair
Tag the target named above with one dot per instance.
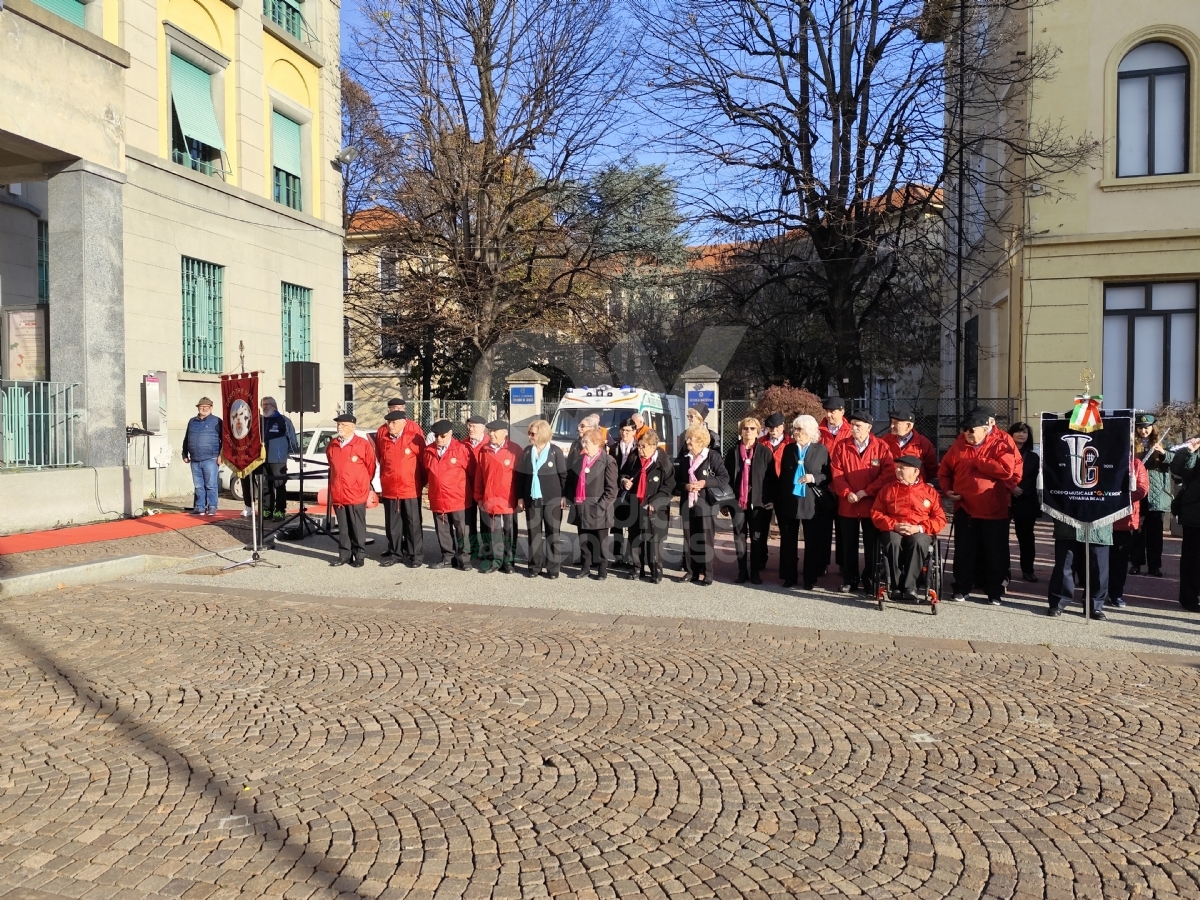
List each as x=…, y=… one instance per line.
x=908, y=514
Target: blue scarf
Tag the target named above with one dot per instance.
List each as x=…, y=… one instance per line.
x=799, y=486
x=539, y=460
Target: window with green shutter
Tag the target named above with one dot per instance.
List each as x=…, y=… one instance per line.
x=43, y=256
x=196, y=135
x=203, y=293
x=289, y=16
x=71, y=10
x=286, y=160
x=297, y=318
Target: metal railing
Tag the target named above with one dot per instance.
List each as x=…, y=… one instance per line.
x=38, y=419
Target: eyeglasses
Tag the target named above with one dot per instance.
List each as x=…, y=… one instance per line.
x=749, y=428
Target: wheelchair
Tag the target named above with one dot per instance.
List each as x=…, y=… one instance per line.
x=929, y=581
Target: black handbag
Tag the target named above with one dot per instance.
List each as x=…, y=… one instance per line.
x=824, y=499
x=722, y=495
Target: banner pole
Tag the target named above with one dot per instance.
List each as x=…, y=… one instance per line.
x=1087, y=569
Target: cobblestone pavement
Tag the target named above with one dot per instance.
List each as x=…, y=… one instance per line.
x=159, y=743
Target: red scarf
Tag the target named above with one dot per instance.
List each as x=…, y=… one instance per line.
x=585, y=466
x=646, y=461
x=744, y=488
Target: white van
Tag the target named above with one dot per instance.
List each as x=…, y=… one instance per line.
x=662, y=412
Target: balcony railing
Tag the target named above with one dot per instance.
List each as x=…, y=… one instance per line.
x=38, y=420
x=214, y=169
x=288, y=17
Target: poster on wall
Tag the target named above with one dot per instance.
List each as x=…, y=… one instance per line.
x=25, y=344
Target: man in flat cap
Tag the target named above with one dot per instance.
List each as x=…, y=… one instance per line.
x=449, y=469
x=398, y=445
x=862, y=466
x=978, y=473
x=477, y=439
x=496, y=496
x=697, y=414
x=351, y=467
x=908, y=515
x=833, y=430
x=201, y=450
x=903, y=439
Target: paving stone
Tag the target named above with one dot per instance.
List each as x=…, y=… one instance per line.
x=210, y=745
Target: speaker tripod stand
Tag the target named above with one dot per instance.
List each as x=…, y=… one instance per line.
x=300, y=525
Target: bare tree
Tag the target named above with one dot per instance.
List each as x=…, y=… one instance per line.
x=500, y=106
x=830, y=120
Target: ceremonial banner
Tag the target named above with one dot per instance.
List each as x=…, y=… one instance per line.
x=1085, y=475
x=242, y=447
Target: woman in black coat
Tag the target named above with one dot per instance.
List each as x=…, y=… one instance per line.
x=591, y=489
x=540, y=478
x=625, y=452
x=698, y=472
x=651, y=489
x=804, y=478
x=1025, y=508
x=751, y=461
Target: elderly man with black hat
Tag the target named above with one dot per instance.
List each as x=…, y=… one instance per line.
x=903, y=439
x=449, y=469
x=476, y=439
x=978, y=473
x=833, y=430
x=496, y=496
x=862, y=466
x=351, y=467
x=398, y=446
x=698, y=415
x=908, y=515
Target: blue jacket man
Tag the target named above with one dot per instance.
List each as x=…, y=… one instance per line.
x=201, y=447
x=280, y=437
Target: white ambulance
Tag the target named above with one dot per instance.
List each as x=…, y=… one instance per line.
x=662, y=412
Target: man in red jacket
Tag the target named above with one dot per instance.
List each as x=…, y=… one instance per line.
x=832, y=429
x=978, y=473
x=861, y=467
x=904, y=439
x=1125, y=532
x=398, y=445
x=449, y=469
x=351, y=468
x=496, y=496
x=908, y=514
x=477, y=439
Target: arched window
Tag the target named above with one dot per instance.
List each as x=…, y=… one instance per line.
x=1152, y=111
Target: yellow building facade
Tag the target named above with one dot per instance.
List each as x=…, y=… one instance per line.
x=170, y=204
x=1098, y=269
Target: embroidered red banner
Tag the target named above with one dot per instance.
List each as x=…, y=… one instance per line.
x=242, y=447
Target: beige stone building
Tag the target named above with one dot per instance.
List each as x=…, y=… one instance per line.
x=1099, y=269
x=170, y=192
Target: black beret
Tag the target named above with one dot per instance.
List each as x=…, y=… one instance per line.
x=1146, y=419
x=442, y=426
x=903, y=414
x=976, y=419
x=396, y=401
x=862, y=416
x=774, y=420
x=497, y=425
x=346, y=417
x=394, y=415
x=477, y=420
x=833, y=403
x=702, y=409
x=909, y=460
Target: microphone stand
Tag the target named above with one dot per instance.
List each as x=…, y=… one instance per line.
x=254, y=547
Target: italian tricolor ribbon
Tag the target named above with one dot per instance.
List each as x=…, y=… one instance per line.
x=1086, y=415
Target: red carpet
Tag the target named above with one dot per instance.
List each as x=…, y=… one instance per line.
x=109, y=531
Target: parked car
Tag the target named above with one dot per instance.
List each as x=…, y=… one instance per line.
x=316, y=477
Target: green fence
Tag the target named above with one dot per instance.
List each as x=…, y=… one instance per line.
x=38, y=420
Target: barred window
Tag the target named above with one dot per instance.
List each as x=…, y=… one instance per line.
x=297, y=329
x=43, y=257
x=203, y=295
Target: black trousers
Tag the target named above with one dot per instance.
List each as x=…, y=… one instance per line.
x=405, y=531
x=1026, y=542
x=823, y=538
x=1189, y=568
x=472, y=515
x=274, y=488
x=698, y=533
x=789, y=548
x=451, y=531
x=595, y=545
x=847, y=529
x=816, y=536
x=1118, y=562
x=543, y=522
x=750, y=529
x=352, y=531
x=624, y=518
x=980, y=554
x=905, y=556
x=1062, y=579
x=1148, y=547
x=646, y=538
x=497, y=538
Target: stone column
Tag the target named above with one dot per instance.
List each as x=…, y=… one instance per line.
x=524, y=402
x=87, y=305
x=703, y=385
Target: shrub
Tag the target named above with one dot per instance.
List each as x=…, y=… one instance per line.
x=790, y=401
